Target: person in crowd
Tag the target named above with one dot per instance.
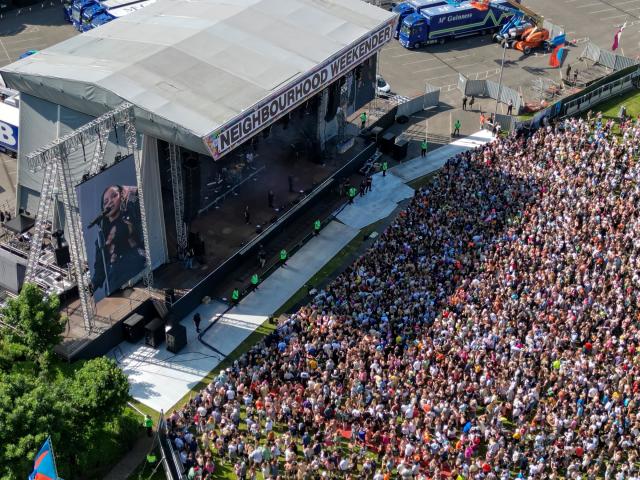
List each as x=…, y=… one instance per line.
x=491, y=332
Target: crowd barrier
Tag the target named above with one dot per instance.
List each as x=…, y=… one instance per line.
x=607, y=59
x=170, y=459
x=491, y=89
x=430, y=99
x=604, y=89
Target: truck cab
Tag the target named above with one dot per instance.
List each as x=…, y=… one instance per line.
x=405, y=9
x=76, y=12
x=88, y=14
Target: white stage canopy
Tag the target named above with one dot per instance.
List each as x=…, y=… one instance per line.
x=194, y=69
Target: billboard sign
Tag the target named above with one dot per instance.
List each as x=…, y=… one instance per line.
x=112, y=227
x=9, y=121
x=248, y=123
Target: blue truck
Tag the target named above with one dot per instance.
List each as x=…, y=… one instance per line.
x=447, y=22
x=404, y=9
x=88, y=14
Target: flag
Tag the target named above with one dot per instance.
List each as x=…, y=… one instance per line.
x=557, y=56
x=44, y=467
x=616, y=37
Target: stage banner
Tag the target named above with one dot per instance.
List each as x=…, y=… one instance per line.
x=248, y=123
x=112, y=227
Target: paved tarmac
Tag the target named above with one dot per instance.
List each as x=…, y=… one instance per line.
x=32, y=28
x=477, y=57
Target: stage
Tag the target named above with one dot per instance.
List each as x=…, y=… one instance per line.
x=223, y=227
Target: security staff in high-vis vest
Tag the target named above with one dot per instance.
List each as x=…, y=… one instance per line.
x=423, y=148
x=363, y=120
x=352, y=193
x=283, y=257
x=385, y=167
x=255, y=280
x=317, y=225
x=235, y=296
x=151, y=458
x=148, y=424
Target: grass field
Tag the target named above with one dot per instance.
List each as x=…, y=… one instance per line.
x=611, y=107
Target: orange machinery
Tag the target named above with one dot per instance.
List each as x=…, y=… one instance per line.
x=533, y=37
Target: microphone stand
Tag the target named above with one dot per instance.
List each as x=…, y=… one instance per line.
x=102, y=245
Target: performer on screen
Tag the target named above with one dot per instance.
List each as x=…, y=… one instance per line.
x=120, y=246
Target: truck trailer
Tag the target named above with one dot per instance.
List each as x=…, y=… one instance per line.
x=447, y=22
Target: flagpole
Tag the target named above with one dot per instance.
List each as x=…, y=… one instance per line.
x=53, y=456
x=624, y=24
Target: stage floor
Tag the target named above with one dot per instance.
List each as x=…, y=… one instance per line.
x=159, y=378
x=224, y=229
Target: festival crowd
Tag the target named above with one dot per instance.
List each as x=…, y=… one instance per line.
x=491, y=332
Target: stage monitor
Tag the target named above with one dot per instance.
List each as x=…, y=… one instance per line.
x=112, y=227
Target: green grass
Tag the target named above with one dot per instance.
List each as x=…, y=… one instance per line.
x=422, y=181
x=611, y=107
x=146, y=471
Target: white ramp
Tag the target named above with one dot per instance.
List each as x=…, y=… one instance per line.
x=386, y=193
x=419, y=167
x=160, y=378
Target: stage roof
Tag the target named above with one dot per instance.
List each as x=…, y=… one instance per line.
x=192, y=66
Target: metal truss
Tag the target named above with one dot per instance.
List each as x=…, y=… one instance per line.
x=54, y=160
x=178, y=198
x=132, y=148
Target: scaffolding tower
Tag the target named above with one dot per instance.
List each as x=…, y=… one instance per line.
x=178, y=198
x=54, y=160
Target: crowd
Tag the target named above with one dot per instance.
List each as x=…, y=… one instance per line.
x=491, y=332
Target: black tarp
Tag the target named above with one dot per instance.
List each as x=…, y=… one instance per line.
x=19, y=224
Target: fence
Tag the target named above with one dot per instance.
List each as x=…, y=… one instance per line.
x=491, y=89
x=600, y=93
x=416, y=104
x=554, y=30
x=170, y=459
x=605, y=88
x=607, y=59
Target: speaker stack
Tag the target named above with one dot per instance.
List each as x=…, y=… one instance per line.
x=134, y=328
x=176, y=338
x=154, y=333
x=61, y=248
x=400, y=148
x=191, y=187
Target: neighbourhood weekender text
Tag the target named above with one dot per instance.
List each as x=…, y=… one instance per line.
x=223, y=140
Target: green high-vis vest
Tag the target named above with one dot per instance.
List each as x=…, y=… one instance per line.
x=384, y=165
x=352, y=191
x=255, y=279
x=151, y=458
x=235, y=295
x=317, y=225
x=423, y=145
x=363, y=117
x=148, y=422
x=458, y=124
x=283, y=254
